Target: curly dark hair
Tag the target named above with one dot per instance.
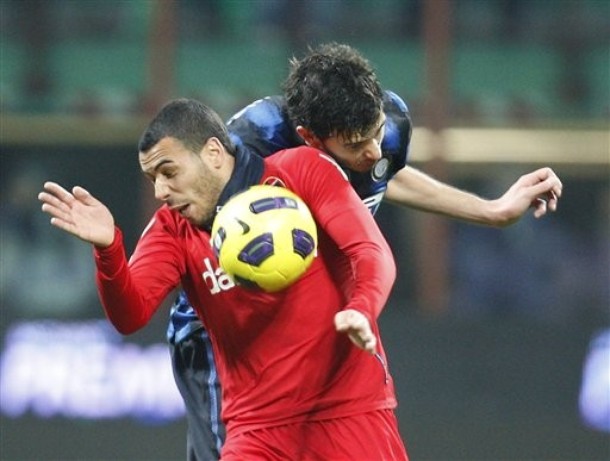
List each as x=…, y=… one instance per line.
x=189, y=121
x=333, y=90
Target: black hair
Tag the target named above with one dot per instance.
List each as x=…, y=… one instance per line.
x=189, y=121
x=333, y=90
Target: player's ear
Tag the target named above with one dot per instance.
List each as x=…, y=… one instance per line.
x=309, y=138
x=214, y=152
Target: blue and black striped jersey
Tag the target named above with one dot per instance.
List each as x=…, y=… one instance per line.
x=265, y=128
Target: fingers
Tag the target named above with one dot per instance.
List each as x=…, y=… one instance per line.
x=547, y=195
x=552, y=201
x=51, y=202
x=555, y=188
x=56, y=197
x=56, y=190
x=545, y=188
x=358, y=328
x=56, y=200
x=540, y=207
x=78, y=213
x=551, y=182
x=58, y=203
x=83, y=195
x=349, y=319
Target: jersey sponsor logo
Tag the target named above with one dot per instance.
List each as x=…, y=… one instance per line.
x=380, y=169
x=274, y=181
x=216, y=279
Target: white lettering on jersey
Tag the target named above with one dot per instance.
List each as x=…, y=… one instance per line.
x=336, y=165
x=216, y=280
x=373, y=201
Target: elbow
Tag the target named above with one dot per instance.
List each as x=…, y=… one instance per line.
x=126, y=330
x=390, y=265
x=125, y=327
x=391, y=275
x=393, y=271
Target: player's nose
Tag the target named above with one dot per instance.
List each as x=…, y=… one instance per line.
x=372, y=150
x=161, y=190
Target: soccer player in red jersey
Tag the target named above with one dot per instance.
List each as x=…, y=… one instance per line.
x=304, y=373
x=333, y=101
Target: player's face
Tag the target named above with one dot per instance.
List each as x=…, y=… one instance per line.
x=183, y=179
x=359, y=152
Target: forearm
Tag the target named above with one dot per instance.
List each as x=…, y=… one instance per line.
x=374, y=273
x=339, y=212
x=415, y=189
x=125, y=306
x=371, y=270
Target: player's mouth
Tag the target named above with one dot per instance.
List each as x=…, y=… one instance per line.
x=182, y=209
x=362, y=166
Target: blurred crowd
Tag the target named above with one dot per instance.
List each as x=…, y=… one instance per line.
x=56, y=53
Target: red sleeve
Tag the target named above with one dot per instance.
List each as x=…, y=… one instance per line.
x=340, y=212
x=131, y=292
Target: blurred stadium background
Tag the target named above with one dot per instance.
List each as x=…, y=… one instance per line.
x=496, y=337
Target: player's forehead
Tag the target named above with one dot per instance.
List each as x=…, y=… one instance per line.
x=369, y=133
x=167, y=151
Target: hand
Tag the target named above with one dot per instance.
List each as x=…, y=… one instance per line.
x=357, y=327
x=539, y=190
x=78, y=213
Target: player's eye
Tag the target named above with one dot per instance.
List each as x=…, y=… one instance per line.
x=170, y=173
x=355, y=146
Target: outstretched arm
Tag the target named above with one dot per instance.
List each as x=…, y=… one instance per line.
x=539, y=190
x=78, y=213
x=130, y=294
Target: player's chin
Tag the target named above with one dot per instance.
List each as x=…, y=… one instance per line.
x=195, y=218
x=363, y=167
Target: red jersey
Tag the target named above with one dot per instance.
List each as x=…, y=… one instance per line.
x=279, y=357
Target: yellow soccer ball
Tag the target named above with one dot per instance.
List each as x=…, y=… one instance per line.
x=265, y=237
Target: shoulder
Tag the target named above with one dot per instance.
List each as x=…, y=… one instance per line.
x=305, y=161
x=394, y=103
x=264, y=127
x=268, y=110
x=397, y=112
x=293, y=157
x=398, y=130
x=297, y=155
